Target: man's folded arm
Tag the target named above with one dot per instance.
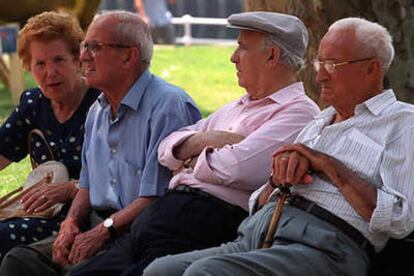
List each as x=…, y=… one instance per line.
x=247, y=165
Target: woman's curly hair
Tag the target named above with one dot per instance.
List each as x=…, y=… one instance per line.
x=49, y=26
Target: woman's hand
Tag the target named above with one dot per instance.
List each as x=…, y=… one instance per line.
x=38, y=200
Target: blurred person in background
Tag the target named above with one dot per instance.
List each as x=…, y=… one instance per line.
x=126, y=5
x=157, y=15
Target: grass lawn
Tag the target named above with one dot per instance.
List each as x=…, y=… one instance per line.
x=205, y=72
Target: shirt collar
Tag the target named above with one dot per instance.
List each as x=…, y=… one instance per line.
x=284, y=95
x=325, y=117
x=134, y=95
x=375, y=105
x=378, y=103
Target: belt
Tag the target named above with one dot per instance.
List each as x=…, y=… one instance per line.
x=195, y=191
x=190, y=190
x=319, y=212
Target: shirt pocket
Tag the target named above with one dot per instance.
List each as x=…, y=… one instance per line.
x=360, y=153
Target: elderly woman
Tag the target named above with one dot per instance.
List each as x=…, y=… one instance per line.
x=48, y=46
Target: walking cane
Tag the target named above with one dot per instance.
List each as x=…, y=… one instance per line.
x=277, y=213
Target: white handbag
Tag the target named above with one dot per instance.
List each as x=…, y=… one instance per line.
x=48, y=173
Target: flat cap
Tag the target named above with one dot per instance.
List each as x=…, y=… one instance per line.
x=288, y=30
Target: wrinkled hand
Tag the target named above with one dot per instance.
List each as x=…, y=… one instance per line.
x=292, y=163
x=191, y=164
x=62, y=245
x=38, y=200
x=318, y=160
x=88, y=244
x=290, y=167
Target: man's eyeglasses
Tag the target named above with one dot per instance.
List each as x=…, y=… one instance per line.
x=93, y=46
x=330, y=65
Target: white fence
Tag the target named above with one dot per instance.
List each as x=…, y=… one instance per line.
x=187, y=21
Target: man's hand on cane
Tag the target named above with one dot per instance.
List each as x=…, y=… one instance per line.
x=291, y=167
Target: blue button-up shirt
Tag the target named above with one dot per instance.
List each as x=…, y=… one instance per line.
x=119, y=158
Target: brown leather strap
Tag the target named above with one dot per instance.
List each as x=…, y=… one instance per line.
x=18, y=193
x=40, y=134
x=9, y=195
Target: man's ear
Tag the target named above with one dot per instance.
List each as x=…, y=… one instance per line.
x=374, y=69
x=273, y=56
x=132, y=57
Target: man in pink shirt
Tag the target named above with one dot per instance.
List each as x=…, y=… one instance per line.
x=220, y=160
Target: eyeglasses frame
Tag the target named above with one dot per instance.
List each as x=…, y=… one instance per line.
x=86, y=46
x=317, y=64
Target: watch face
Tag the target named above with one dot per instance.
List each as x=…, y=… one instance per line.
x=108, y=222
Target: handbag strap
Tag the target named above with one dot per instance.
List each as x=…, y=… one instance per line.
x=9, y=195
x=40, y=134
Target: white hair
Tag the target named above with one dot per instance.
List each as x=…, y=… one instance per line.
x=372, y=39
x=132, y=30
x=286, y=57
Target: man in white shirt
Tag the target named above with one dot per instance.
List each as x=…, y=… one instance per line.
x=351, y=172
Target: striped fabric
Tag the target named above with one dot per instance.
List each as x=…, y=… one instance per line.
x=376, y=143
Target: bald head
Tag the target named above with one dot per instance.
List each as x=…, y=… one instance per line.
x=129, y=29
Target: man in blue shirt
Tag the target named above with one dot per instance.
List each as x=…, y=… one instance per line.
x=120, y=173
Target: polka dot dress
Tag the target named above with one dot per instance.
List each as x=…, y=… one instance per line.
x=27, y=230
x=65, y=140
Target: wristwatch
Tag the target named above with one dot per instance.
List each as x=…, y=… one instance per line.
x=109, y=224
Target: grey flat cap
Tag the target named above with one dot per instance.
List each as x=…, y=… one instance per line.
x=288, y=30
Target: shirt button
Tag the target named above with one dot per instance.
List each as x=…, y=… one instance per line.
x=138, y=172
x=113, y=181
x=230, y=128
x=113, y=150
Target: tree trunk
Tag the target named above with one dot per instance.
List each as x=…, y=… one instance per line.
x=396, y=15
x=264, y=5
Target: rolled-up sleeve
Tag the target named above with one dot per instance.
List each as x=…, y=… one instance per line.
x=394, y=214
x=165, y=150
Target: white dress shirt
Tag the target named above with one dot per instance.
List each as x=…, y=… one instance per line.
x=377, y=144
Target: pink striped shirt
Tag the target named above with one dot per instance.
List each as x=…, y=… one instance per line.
x=233, y=172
